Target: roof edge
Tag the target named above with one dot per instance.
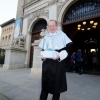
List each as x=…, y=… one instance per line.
x=8, y=22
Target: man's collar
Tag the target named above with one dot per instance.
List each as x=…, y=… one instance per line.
x=56, y=33
x=53, y=33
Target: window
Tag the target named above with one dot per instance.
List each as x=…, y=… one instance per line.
x=9, y=40
x=82, y=9
x=5, y=42
x=41, y=24
x=2, y=41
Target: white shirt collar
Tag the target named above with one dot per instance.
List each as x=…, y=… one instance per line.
x=53, y=33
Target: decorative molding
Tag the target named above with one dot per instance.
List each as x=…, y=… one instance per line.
x=32, y=22
x=38, y=13
x=52, y=2
x=30, y=3
x=60, y=5
x=30, y=16
x=26, y=15
x=7, y=29
x=62, y=8
x=56, y=1
x=35, y=7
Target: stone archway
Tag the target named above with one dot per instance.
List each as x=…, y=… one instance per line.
x=77, y=13
x=34, y=21
x=35, y=35
x=64, y=9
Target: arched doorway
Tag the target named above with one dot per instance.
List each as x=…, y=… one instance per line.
x=81, y=23
x=38, y=26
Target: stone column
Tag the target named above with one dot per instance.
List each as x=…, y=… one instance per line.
x=19, y=12
x=59, y=26
x=27, y=40
x=27, y=47
x=14, y=58
x=37, y=63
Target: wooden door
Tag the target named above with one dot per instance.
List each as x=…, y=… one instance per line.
x=35, y=36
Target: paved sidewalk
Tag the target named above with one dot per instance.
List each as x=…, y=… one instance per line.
x=3, y=97
x=20, y=84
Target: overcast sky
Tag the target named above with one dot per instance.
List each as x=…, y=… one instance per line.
x=8, y=9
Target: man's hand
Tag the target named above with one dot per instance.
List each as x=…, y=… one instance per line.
x=56, y=58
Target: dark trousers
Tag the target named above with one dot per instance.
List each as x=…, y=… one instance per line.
x=44, y=95
x=72, y=66
x=80, y=64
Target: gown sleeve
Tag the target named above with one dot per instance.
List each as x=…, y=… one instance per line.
x=64, y=53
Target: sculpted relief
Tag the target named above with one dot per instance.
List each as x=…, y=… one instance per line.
x=43, y=32
x=38, y=13
x=19, y=41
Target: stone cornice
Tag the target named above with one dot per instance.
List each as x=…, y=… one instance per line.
x=37, y=14
x=30, y=3
x=8, y=22
x=35, y=8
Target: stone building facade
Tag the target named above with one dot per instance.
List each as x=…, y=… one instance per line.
x=68, y=13
x=6, y=37
x=7, y=33
x=36, y=14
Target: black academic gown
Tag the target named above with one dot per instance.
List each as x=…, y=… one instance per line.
x=54, y=75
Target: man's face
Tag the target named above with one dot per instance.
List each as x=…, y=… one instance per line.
x=52, y=27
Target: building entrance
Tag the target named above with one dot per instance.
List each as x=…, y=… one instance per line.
x=85, y=36
x=39, y=25
x=81, y=23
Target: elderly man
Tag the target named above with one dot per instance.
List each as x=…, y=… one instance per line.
x=53, y=67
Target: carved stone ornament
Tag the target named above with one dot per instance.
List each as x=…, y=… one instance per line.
x=60, y=4
x=30, y=16
x=43, y=32
x=20, y=41
x=38, y=13
x=52, y=2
